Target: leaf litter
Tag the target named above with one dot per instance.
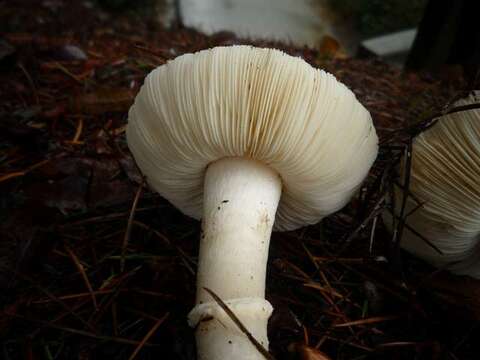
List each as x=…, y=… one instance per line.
x=92, y=266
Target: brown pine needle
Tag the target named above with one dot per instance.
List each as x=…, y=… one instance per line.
x=11, y=175
x=372, y=320
x=397, y=344
x=22, y=173
x=129, y=225
x=74, y=296
x=67, y=72
x=104, y=292
x=349, y=343
x=78, y=133
x=81, y=270
x=306, y=338
x=148, y=336
x=48, y=294
x=118, y=131
x=80, y=332
x=105, y=218
x=332, y=259
x=324, y=289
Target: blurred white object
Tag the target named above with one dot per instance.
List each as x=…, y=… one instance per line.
x=393, y=47
x=302, y=22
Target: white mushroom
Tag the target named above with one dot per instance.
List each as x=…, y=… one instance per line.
x=246, y=139
x=445, y=178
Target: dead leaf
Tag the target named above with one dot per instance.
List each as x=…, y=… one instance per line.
x=331, y=48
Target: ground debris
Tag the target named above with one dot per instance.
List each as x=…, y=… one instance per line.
x=89, y=275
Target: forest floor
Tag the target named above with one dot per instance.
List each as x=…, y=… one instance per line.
x=95, y=265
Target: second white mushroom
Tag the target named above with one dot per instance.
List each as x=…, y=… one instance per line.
x=445, y=179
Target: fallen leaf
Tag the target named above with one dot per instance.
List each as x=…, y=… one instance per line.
x=331, y=48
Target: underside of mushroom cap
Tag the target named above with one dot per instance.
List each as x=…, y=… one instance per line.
x=445, y=179
x=263, y=104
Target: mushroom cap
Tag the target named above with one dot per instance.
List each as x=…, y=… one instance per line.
x=243, y=101
x=445, y=178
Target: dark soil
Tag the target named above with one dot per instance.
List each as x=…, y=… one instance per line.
x=93, y=265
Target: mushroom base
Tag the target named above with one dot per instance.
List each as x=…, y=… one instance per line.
x=218, y=337
x=240, y=201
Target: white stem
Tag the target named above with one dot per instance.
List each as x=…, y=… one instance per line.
x=240, y=201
